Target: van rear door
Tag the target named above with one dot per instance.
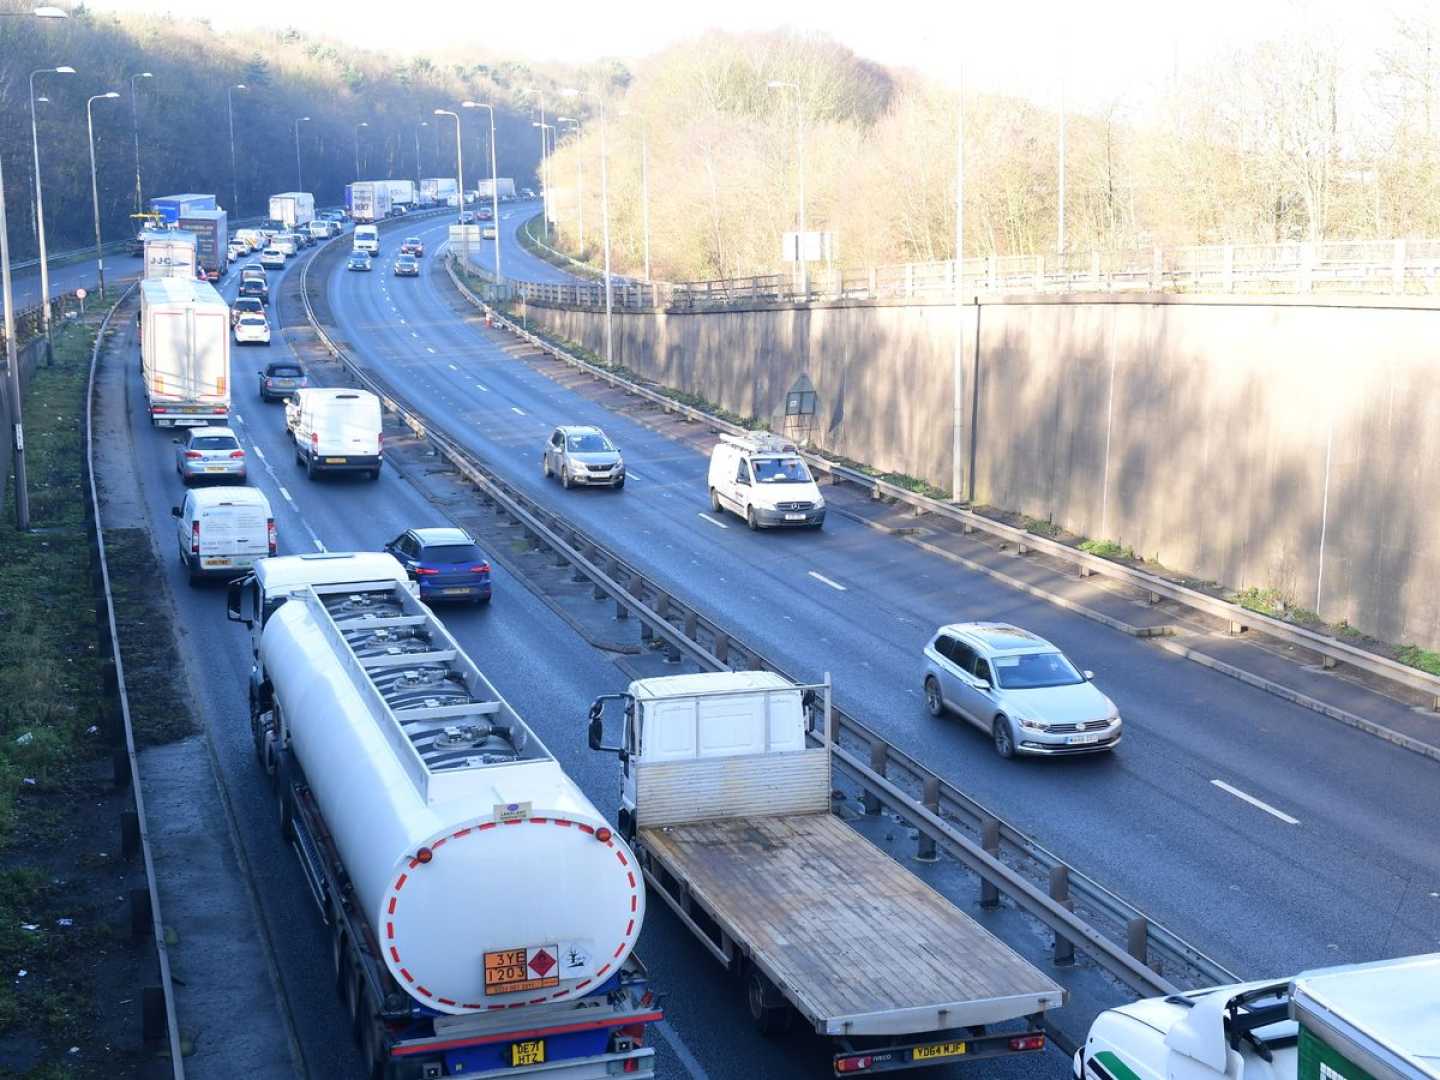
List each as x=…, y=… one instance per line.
x=349, y=426
x=233, y=534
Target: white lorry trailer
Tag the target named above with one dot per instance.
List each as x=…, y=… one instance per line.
x=483, y=913
x=184, y=352
x=367, y=200
x=402, y=192
x=292, y=209
x=169, y=253
x=503, y=188
x=439, y=190
x=728, y=809
x=1372, y=1021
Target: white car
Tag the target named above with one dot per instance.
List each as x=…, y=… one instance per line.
x=272, y=258
x=236, y=251
x=252, y=330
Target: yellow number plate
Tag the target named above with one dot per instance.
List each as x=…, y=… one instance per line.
x=528, y=1053
x=937, y=1050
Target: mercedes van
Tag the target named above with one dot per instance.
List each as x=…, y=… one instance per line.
x=762, y=478
x=335, y=430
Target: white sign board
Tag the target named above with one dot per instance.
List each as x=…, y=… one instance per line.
x=818, y=247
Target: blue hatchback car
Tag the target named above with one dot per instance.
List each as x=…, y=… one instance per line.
x=446, y=563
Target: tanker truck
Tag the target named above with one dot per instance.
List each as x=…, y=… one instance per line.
x=483, y=913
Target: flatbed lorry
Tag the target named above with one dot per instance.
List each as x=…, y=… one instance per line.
x=728, y=809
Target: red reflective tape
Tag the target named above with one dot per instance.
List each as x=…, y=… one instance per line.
x=619, y=949
x=444, y=1001
x=462, y=832
x=559, y=994
x=581, y=986
x=487, y=825
x=493, y=1007
x=621, y=856
x=439, y=843
x=585, y=828
x=390, y=930
x=408, y=976
x=400, y=884
x=561, y=821
x=515, y=821
x=536, y=1001
x=391, y=909
x=631, y=876
x=472, y=1005
x=430, y=1046
x=422, y=990
x=634, y=903
x=538, y=820
x=413, y=864
x=395, y=954
x=630, y=929
x=602, y=971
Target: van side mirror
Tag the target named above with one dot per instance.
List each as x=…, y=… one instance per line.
x=175, y=511
x=982, y=684
x=597, y=728
x=234, y=599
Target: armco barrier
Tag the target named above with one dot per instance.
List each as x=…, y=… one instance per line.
x=157, y=1003
x=1136, y=950
x=1333, y=651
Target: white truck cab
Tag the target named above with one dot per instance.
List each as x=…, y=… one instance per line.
x=762, y=478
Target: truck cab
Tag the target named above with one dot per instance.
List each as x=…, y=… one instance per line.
x=254, y=598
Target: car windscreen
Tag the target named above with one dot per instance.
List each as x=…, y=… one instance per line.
x=213, y=442
x=780, y=470
x=588, y=444
x=452, y=553
x=1034, y=671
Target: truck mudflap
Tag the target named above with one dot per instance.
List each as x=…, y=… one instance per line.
x=962, y=1046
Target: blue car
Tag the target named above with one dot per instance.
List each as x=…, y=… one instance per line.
x=446, y=564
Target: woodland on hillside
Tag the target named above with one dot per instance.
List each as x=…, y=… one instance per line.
x=184, y=123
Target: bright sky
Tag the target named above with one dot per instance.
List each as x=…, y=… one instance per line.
x=1117, y=48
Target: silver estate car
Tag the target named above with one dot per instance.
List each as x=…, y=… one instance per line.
x=581, y=456
x=209, y=453
x=1019, y=689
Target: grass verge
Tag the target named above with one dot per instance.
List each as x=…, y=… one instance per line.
x=531, y=243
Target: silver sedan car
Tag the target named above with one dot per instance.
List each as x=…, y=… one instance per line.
x=583, y=456
x=1019, y=689
x=209, y=453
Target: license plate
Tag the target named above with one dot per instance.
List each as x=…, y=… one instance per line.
x=794, y=517
x=215, y=562
x=214, y=468
x=334, y=461
x=937, y=1050
x=530, y=1052
x=1081, y=740
x=464, y=589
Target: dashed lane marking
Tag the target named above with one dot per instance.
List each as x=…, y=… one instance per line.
x=429, y=349
x=1257, y=803
x=518, y=411
x=285, y=494
x=454, y=368
x=482, y=386
x=827, y=581
x=712, y=521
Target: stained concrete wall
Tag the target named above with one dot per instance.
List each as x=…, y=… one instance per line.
x=1292, y=445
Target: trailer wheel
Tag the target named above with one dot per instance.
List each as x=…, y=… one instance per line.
x=372, y=1046
x=770, y=1011
x=284, y=807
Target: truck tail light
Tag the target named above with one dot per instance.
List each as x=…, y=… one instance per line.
x=270, y=534
x=195, y=538
x=632, y=1065
x=1028, y=1042
x=853, y=1063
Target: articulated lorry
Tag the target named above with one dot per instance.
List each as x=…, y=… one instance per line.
x=292, y=209
x=486, y=189
x=211, y=229
x=728, y=809
x=438, y=190
x=1372, y=1021
x=184, y=352
x=482, y=913
x=402, y=192
x=172, y=208
x=368, y=200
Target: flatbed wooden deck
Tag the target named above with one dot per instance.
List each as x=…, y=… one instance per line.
x=860, y=944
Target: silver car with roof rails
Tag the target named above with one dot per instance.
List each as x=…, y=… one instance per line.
x=582, y=456
x=1019, y=689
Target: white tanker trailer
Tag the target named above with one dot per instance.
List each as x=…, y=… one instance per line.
x=484, y=912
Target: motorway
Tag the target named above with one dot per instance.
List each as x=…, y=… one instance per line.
x=1323, y=856
x=546, y=671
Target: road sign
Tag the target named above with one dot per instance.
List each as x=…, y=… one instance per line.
x=80, y=294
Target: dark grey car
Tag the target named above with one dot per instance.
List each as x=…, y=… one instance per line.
x=583, y=456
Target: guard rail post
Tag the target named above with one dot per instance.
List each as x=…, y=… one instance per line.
x=1137, y=938
x=1060, y=893
x=878, y=760
x=925, y=843
x=990, y=842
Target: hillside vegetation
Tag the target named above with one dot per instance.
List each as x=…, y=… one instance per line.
x=184, y=128
x=1282, y=142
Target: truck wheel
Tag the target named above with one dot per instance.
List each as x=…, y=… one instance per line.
x=372, y=1046
x=760, y=993
x=285, y=809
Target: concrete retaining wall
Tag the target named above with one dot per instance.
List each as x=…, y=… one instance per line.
x=1288, y=445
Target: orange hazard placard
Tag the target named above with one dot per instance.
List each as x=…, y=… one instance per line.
x=509, y=971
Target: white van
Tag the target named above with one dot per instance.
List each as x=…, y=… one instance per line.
x=320, y=229
x=221, y=532
x=762, y=478
x=285, y=242
x=336, y=430
x=367, y=239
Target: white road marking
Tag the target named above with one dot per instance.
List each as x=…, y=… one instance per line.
x=454, y=368
x=258, y=452
x=239, y=418
x=285, y=494
x=414, y=334
x=518, y=411
x=429, y=349
x=633, y=475
x=482, y=386
x=825, y=580
x=712, y=521
x=318, y=545
x=1256, y=802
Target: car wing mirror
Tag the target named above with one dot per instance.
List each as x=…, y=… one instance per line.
x=982, y=684
x=1089, y=675
x=175, y=511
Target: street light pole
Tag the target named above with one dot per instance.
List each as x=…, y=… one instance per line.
x=230, y=112
x=800, y=169
x=362, y=123
x=494, y=184
x=40, y=204
x=958, y=403
x=1060, y=237
x=95, y=183
x=135, y=128
x=459, y=167
x=644, y=183
x=544, y=167
x=419, y=168
x=579, y=183
x=299, y=181
x=604, y=216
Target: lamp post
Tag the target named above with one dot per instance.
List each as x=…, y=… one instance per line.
x=644, y=184
x=579, y=182
x=135, y=129
x=1060, y=180
x=494, y=183
x=459, y=166
x=800, y=168
x=544, y=165
x=12, y=359
x=419, y=168
x=299, y=180
x=40, y=204
x=95, y=182
x=362, y=123
x=958, y=402
x=230, y=112
x=604, y=214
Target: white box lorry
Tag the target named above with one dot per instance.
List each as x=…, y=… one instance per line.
x=482, y=913
x=292, y=209
x=169, y=253
x=184, y=352
x=368, y=200
x=402, y=192
x=438, y=190
x=728, y=808
x=503, y=188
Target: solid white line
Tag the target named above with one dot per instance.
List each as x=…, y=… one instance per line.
x=833, y=584
x=1256, y=802
x=712, y=521
x=517, y=411
x=482, y=386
